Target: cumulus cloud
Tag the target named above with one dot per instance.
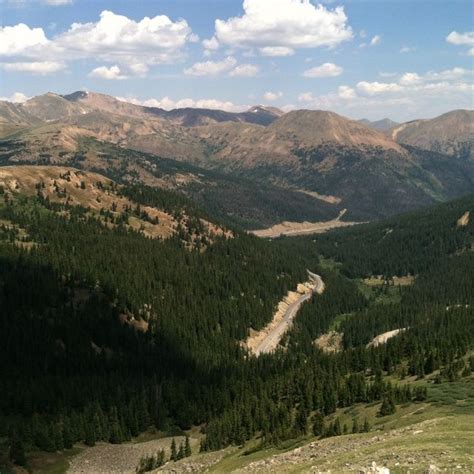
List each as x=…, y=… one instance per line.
x=16, y=97
x=374, y=88
x=138, y=69
x=406, y=49
x=375, y=40
x=110, y=73
x=462, y=39
x=271, y=96
x=448, y=74
x=325, y=70
x=279, y=27
x=411, y=93
x=456, y=38
x=116, y=37
x=40, y=67
x=211, y=68
x=275, y=51
x=169, y=104
x=244, y=70
x=410, y=78
x=346, y=92
x=211, y=44
x=21, y=39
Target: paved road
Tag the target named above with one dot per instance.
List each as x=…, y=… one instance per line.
x=270, y=342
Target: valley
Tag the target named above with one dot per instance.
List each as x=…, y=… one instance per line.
x=372, y=172
x=163, y=258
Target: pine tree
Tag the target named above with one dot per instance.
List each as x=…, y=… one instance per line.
x=174, y=452
x=17, y=451
x=180, y=454
x=116, y=435
x=90, y=438
x=366, y=427
x=355, y=425
x=388, y=406
x=67, y=435
x=160, y=458
x=318, y=424
x=187, y=447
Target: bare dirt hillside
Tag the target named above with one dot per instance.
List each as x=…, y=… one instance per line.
x=451, y=133
x=100, y=195
x=323, y=153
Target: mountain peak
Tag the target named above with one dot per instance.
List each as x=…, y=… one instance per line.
x=315, y=127
x=266, y=109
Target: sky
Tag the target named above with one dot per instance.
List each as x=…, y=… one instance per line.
x=402, y=59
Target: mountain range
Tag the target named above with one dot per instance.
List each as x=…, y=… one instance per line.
x=328, y=161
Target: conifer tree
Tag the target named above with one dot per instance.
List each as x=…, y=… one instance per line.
x=187, y=447
x=174, y=452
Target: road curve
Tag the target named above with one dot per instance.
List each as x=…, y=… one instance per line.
x=273, y=337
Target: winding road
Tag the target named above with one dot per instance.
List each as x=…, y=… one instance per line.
x=273, y=337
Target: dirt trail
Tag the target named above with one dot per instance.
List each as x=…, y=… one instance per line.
x=267, y=339
x=301, y=228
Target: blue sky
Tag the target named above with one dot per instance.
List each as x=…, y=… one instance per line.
x=402, y=59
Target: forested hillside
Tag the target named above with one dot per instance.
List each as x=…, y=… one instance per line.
x=105, y=332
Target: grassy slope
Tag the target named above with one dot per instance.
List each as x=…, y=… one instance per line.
x=439, y=431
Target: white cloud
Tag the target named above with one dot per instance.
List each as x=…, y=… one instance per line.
x=118, y=38
x=410, y=78
x=412, y=94
x=40, y=67
x=375, y=88
x=279, y=27
x=406, y=49
x=244, y=70
x=454, y=74
x=211, y=68
x=275, y=51
x=458, y=39
x=211, y=44
x=448, y=74
x=138, y=69
x=169, y=104
x=21, y=39
x=110, y=73
x=272, y=96
x=16, y=97
x=57, y=3
x=346, y=92
x=325, y=70
x=462, y=39
x=306, y=97
x=375, y=40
